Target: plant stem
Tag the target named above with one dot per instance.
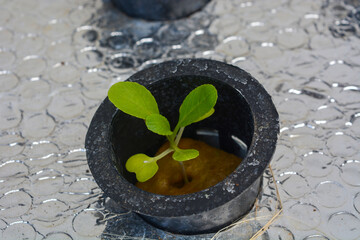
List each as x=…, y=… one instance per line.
x=175, y=132
x=186, y=179
x=178, y=136
x=174, y=141
x=163, y=154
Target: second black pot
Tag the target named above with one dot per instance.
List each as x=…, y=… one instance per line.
x=159, y=9
x=244, y=118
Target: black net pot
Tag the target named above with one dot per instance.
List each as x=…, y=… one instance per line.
x=245, y=123
x=159, y=9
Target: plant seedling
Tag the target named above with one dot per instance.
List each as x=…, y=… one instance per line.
x=134, y=99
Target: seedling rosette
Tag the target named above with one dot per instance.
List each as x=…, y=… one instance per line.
x=135, y=100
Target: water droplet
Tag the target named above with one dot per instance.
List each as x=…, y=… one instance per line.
x=85, y=35
x=119, y=40
x=11, y=145
x=41, y=153
x=50, y=210
x=293, y=110
x=147, y=48
x=317, y=164
x=15, y=203
x=6, y=37
x=72, y=134
x=29, y=44
x=304, y=216
x=233, y=46
x=19, y=230
x=56, y=29
x=74, y=161
x=60, y=51
x=343, y=224
x=37, y=125
x=10, y=114
x=174, y=33
x=7, y=59
x=331, y=194
x=57, y=236
x=202, y=40
x=66, y=105
x=13, y=172
x=122, y=62
x=31, y=66
x=8, y=81
x=90, y=57
x=96, y=84
x=350, y=172
x=280, y=232
x=316, y=237
x=342, y=145
x=356, y=202
x=292, y=38
x=284, y=157
x=46, y=182
x=89, y=223
x=64, y=72
x=81, y=190
x=293, y=184
x=34, y=95
x=266, y=51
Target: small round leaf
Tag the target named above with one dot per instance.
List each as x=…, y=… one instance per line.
x=185, y=154
x=142, y=166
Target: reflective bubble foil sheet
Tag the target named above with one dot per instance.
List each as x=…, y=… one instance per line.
x=58, y=58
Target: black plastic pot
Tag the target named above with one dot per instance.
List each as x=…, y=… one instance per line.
x=159, y=9
x=244, y=118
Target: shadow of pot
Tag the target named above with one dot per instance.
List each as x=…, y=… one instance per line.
x=245, y=123
x=159, y=9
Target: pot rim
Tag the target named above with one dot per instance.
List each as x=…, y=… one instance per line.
x=266, y=129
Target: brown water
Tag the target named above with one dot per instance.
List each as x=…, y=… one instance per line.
x=210, y=167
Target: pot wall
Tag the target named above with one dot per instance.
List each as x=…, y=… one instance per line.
x=212, y=220
x=250, y=116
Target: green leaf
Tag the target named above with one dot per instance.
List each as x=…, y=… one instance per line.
x=157, y=123
x=198, y=103
x=142, y=166
x=133, y=99
x=208, y=114
x=185, y=154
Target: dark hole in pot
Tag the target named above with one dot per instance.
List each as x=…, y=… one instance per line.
x=180, y=184
x=230, y=128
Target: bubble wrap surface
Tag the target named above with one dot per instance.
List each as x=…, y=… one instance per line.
x=58, y=58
